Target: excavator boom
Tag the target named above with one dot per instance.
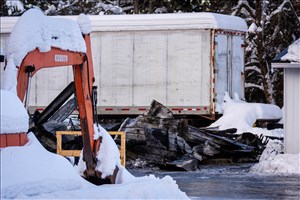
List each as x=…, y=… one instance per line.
x=83, y=77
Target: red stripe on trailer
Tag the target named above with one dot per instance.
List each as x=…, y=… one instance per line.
x=142, y=109
x=109, y=109
x=198, y=108
x=125, y=109
x=177, y=109
x=190, y=108
x=39, y=109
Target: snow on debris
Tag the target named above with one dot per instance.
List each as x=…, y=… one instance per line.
x=108, y=155
x=35, y=30
x=273, y=161
x=293, y=53
x=30, y=171
x=242, y=115
x=14, y=117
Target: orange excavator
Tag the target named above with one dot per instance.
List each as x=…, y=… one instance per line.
x=82, y=86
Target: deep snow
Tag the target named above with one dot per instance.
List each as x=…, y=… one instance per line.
x=31, y=171
x=273, y=161
x=242, y=115
x=14, y=117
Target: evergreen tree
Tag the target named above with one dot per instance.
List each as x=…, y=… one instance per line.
x=273, y=25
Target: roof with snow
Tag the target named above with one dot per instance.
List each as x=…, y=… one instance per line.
x=290, y=57
x=181, y=21
x=35, y=30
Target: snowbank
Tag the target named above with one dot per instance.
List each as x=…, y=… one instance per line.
x=243, y=115
x=273, y=161
x=32, y=172
x=14, y=117
x=35, y=30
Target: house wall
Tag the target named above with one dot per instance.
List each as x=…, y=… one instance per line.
x=292, y=110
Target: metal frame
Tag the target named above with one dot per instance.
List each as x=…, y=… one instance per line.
x=77, y=153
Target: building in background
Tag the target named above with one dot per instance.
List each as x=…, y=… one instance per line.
x=289, y=60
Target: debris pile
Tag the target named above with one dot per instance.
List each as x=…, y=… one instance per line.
x=161, y=139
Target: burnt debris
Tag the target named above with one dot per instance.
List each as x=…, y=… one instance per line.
x=162, y=140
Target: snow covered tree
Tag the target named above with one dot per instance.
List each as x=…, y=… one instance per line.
x=11, y=7
x=273, y=25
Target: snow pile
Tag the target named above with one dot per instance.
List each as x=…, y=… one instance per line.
x=108, y=155
x=35, y=30
x=293, y=53
x=243, y=115
x=14, y=117
x=32, y=172
x=273, y=160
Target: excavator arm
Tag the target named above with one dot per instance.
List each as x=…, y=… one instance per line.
x=83, y=77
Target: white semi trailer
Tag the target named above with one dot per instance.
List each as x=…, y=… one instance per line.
x=185, y=61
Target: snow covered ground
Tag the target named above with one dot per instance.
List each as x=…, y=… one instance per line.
x=31, y=171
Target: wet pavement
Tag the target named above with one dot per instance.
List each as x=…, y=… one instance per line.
x=231, y=182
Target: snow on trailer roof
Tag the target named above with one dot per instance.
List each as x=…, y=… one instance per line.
x=167, y=22
x=181, y=21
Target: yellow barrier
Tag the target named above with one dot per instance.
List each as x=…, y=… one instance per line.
x=76, y=153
